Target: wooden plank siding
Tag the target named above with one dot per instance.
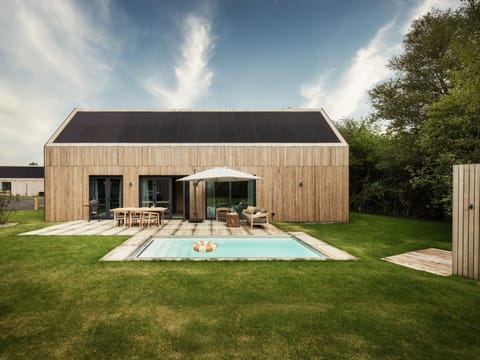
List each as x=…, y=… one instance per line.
x=466, y=221
x=300, y=182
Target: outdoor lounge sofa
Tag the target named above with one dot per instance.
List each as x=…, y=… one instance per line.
x=255, y=216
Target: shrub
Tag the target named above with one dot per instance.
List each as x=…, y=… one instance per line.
x=7, y=207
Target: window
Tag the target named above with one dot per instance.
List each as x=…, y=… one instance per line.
x=227, y=194
x=107, y=190
x=156, y=191
x=6, y=187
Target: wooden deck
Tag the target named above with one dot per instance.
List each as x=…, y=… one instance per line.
x=431, y=260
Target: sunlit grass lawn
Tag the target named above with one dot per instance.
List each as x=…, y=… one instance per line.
x=57, y=300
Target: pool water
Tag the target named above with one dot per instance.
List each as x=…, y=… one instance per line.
x=284, y=247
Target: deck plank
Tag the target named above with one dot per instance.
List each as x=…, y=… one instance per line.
x=435, y=261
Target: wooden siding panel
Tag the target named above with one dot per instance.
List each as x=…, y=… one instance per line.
x=471, y=213
x=456, y=171
x=277, y=193
x=289, y=204
x=330, y=189
x=338, y=197
x=325, y=156
x=263, y=156
x=319, y=194
x=200, y=200
x=323, y=195
x=49, y=204
x=279, y=156
x=460, y=220
x=476, y=222
x=466, y=221
x=266, y=189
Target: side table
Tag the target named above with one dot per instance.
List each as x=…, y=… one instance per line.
x=233, y=220
x=221, y=212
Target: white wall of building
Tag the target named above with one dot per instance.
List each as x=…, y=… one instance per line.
x=25, y=187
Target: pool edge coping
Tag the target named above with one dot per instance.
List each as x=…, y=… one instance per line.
x=332, y=252
x=126, y=250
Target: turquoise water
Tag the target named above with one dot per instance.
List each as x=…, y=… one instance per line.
x=230, y=247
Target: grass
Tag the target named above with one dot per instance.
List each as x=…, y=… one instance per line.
x=58, y=301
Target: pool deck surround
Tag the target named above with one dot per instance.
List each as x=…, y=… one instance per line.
x=177, y=227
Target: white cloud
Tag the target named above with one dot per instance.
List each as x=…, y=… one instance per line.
x=425, y=6
x=192, y=74
x=55, y=39
x=347, y=95
x=53, y=56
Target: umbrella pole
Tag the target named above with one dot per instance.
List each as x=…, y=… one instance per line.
x=195, y=213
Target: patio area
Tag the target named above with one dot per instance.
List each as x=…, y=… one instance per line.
x=176, y=227
x=139, y=235
x=169, y=228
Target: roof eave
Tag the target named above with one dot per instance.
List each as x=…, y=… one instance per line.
x=62, y=126
x=333, y=127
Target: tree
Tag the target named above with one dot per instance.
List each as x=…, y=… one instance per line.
x=432, y=109
x=379, y=176
x=364, y=143
x=451, y=133
x=422, y=74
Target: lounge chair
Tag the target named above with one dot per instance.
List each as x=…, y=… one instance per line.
x=255, y=216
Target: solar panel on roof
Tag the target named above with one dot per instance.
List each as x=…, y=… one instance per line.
x=197, y=127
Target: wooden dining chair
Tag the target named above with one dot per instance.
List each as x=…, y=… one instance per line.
x=150, y=217
x=136, y=217
x=120, y=217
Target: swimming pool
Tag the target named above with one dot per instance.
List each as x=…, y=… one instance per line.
x=227, y=248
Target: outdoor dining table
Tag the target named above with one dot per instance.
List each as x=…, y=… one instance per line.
x=125, y=214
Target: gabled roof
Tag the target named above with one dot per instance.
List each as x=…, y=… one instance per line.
x=22, y=172
x=183, y=126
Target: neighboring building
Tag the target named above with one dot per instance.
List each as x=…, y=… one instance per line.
x=133, y=158
x=21, y=180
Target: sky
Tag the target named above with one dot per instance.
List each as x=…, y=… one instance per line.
x=58, y=55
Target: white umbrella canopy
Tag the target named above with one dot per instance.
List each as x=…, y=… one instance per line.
x=220, y=174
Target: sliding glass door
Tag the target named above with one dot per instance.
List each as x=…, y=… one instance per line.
x=227, y=194
x=156, y=191
x=107, y=190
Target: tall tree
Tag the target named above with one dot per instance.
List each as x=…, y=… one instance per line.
x=432, y=108
x=421, y=74
x=451, y=132
x=365, y=143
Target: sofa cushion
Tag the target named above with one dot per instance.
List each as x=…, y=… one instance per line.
x=250, y=210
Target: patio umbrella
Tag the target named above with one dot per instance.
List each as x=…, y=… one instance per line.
x=223, y=174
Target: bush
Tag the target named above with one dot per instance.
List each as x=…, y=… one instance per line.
x=7, y=207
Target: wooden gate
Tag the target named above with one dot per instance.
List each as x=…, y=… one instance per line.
x=466, y=221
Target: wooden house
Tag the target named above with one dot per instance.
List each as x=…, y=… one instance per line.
x=133, y=158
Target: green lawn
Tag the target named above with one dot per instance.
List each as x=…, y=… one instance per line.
x=58, y=301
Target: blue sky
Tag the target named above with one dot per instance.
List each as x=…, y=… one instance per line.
x=57, y=55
